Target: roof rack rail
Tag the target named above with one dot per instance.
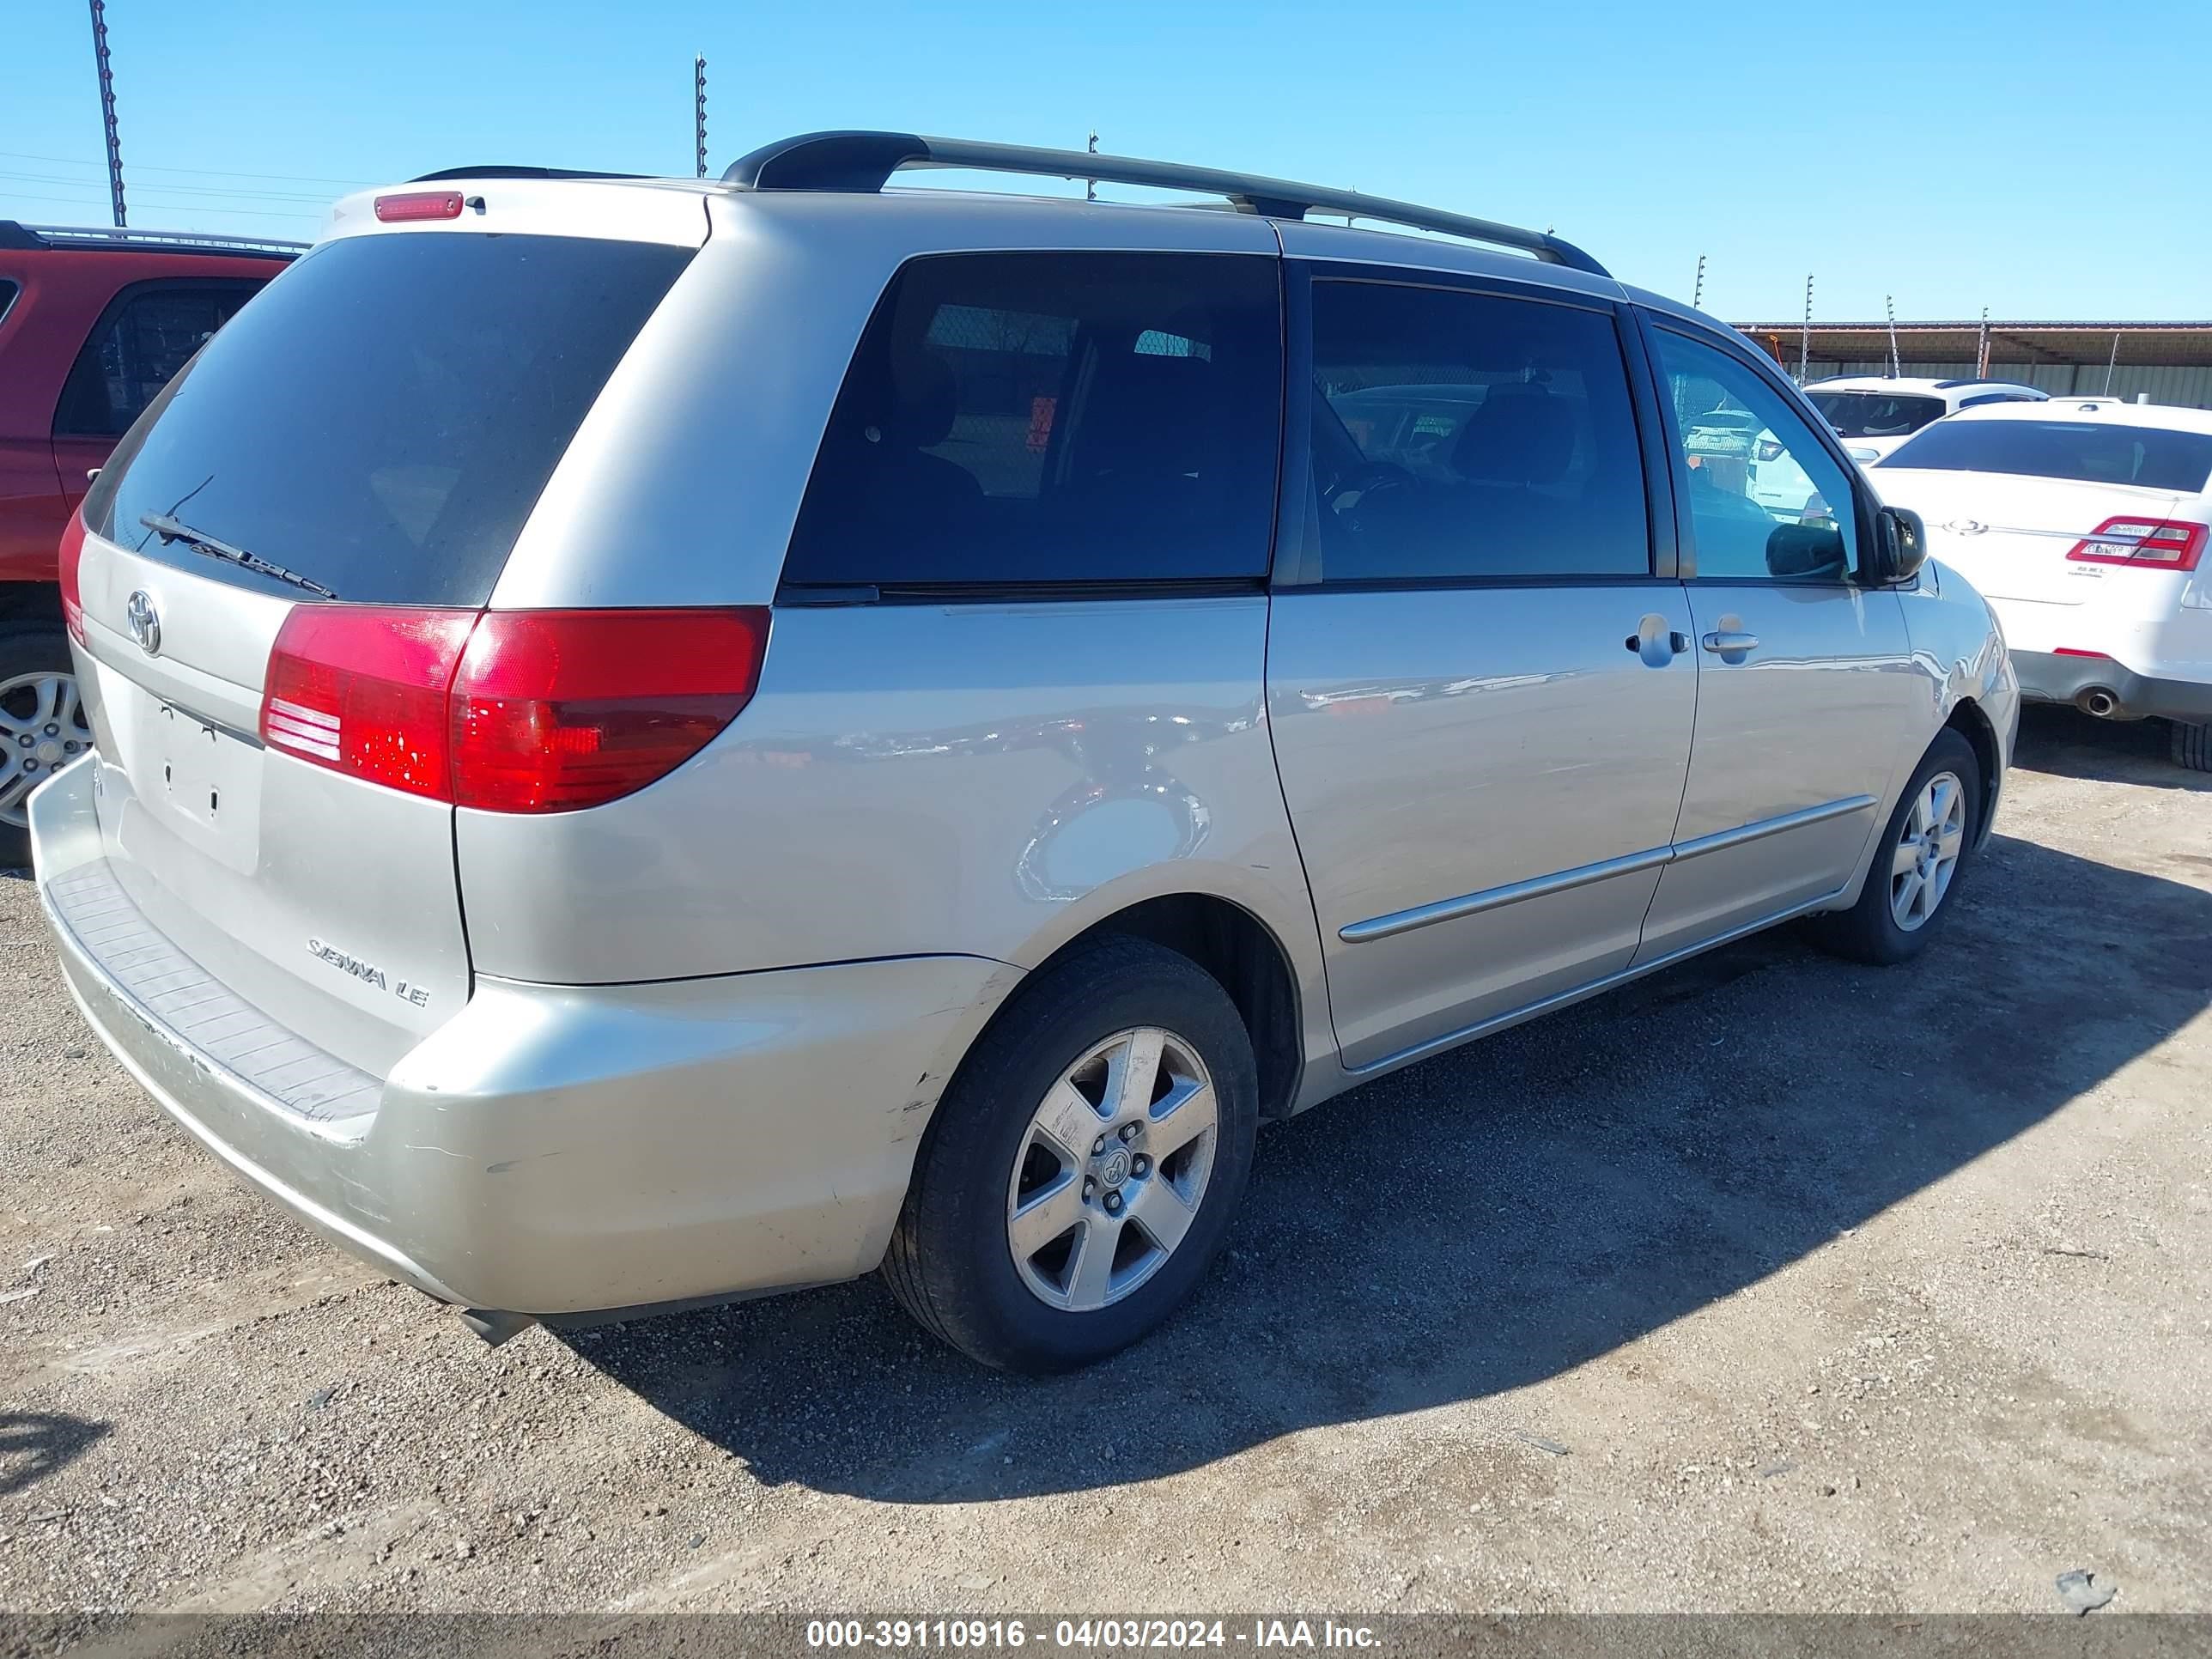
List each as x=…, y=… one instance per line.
x=16, y=235
x=863, y=161
x=444, y=173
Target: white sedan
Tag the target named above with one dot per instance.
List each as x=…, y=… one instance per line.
x=2083, y=521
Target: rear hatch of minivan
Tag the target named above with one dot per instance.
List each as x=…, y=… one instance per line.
x=277, y=574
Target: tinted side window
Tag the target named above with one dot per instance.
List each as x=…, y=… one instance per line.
x=1462, y=435
x=1765, y=498
x=8, y=290
x=1045, y=418
x=136, y=350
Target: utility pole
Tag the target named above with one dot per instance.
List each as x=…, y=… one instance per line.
x=698, y=105
x=1090, y=185
x=107, y=110
x=1698, y=293
x=1896, y=368
x=1805, y=334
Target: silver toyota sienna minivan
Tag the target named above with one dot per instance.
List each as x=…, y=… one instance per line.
x=660, y=741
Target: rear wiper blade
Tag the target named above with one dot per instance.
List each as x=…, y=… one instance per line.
x=176, y=529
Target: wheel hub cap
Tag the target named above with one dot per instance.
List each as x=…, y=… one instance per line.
x=1927, y=852
x=42, y=727
x=1085, y=1227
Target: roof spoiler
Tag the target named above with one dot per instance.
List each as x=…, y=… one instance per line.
x=863, y=161
x=517, y=172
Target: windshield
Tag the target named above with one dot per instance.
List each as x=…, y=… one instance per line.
x=1875, y=414
x=381, y=418
x=2150, y=457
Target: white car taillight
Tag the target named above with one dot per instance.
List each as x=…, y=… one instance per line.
x=2146, y=543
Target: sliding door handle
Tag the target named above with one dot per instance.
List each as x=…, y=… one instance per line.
x=1731, y=643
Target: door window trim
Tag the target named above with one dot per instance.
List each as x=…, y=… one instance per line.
x=1298, y=533
x=244, y=287
x=1649, y=324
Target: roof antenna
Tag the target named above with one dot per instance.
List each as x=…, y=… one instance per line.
x=2111, y=362
x=1896, y=368
x=1090, y=185
x=1982, y=348
x=1698, y=293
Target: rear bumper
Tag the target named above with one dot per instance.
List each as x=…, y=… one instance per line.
x=571, y=1150
x=2047, y=677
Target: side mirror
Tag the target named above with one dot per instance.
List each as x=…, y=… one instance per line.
x=1901, y=547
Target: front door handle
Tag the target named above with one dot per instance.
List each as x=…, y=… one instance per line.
x=1656, y=643
x=1731, y=643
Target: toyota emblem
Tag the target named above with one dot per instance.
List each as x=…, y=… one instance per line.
x=145, y=622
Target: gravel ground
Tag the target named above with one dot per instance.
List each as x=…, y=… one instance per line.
x=1771, y=1284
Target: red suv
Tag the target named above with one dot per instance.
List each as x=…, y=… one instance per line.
x=92, y=323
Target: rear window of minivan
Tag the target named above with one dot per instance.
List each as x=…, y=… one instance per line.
x=382, y=417
x=1037, y=418
x=2099, y=451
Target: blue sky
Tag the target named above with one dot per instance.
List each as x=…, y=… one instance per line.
x=2044, y=160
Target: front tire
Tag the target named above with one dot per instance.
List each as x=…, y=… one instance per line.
x=2192, y=742
x=1917, y=863
x=1082, y=1169
x=43, y=725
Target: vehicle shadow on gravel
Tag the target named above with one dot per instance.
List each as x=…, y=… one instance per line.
x=35, y=1444
x=2068, y=743
x=1497, y=1216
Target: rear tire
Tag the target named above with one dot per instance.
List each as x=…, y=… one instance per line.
x=1054, y=1217
x=38, y=691
x=2191, y=743
x=1922, y=854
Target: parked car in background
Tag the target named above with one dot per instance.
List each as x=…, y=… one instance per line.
x=664, y=740
x=1873, y=414
x=2084, y=520
x=92, y=323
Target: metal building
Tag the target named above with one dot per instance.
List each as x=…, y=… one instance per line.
x=2169, y=363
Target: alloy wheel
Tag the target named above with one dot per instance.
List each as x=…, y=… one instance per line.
x=1112, y=1168
x=43, y=727
x=1926, y=855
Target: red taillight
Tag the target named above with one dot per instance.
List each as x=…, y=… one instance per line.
x=419, y=204
x=558, y=709
x=361, y=689
x=509, y=711
x=72, y=552
x=2147, y=544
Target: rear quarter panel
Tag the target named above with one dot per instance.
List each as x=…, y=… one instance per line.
x=985, y=779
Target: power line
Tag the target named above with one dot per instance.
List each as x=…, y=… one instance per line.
x=179, y=190
x=210, y=173
x=165, y=206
